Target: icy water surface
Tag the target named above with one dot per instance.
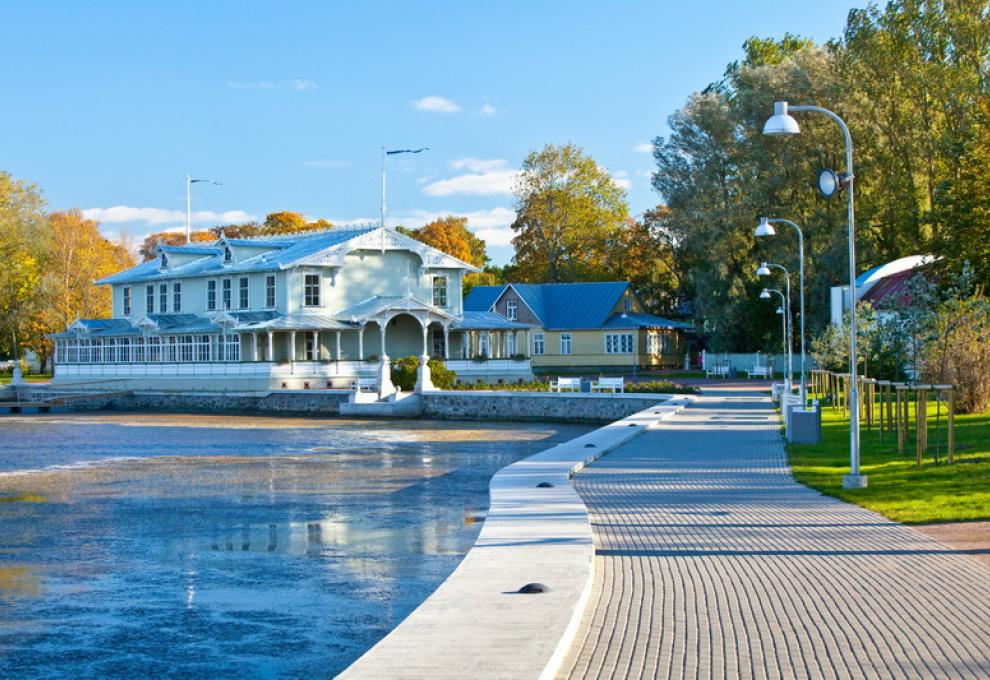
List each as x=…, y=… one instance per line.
x=136, y=545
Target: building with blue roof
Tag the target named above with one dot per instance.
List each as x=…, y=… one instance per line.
x=585, y=326
x=315, y=309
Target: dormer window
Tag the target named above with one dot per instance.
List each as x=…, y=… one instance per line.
x=228, y=255
x=163, y=261
x=627, y=304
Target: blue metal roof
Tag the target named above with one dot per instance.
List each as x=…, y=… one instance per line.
x=632, y=320
x=487, y=321
x=481, y=298
x=279, y=257
x=571, y=306
x=190, y=250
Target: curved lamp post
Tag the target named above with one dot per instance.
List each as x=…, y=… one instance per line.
x=189, y=183
x=764, y=270
x=765, y=295
x=782, y=123
x=765, y=228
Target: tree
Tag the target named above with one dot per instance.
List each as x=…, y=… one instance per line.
x=644, y=256
x=568, y=212
x=284, y=222
x=172, y=238
x=24, y=240
x=78, y=256
x=451, y=235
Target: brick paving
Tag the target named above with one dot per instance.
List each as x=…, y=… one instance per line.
x=712, y=562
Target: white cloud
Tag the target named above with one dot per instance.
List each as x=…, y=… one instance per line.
x=644, y=147
x=326, y=164
x=434, y=103
x=488, y=110
x=301, y=84
x=257, y=85
x=485, y=177
x=621, y=177
x=155, y=216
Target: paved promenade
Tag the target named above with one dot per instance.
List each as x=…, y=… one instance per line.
x=712, y=562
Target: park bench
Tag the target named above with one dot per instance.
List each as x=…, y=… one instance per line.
x=759, y=372
x=365, y=385
x=717, y=371
x=608, y=384
x=566, y=385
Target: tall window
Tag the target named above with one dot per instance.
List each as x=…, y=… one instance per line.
x=270, y=291
x=653, y=343
x=539, y=344
x=565, y=343
x=163, y=262
x=510, y=343
x=226, y=293
x=242, y=297
x=483, y=343
x=163, y=297
x=311, y=290
x=439, y=343
x=202, y=348
x=177, y=297
x=440, y=291
x=618, y=343
x=627, y=304
x=149, y=299
x=228, y=255
x=127, y=300
x=511, y=310
x=211, y=295
x=185, y=348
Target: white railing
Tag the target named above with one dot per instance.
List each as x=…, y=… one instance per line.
x=489, y=366
x=316, y=369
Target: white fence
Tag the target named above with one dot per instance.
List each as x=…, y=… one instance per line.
x=745, y=361
x=499, y=367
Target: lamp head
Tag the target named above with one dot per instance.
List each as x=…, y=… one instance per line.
x=828, y=183
x=765, y=295
x=780, y=310
x=781, y=123
x=764, y=228
x=763, y=270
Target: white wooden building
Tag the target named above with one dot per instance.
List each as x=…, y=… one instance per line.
x=314, y=310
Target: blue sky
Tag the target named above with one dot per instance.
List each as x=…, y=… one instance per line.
x=107, y=105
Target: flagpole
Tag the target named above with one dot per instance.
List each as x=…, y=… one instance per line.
x=383, y=187
x=188, y=211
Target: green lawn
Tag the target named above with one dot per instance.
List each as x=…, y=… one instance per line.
x=898, y=488
x=41, y=377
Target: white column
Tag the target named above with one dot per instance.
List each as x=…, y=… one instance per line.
x=292, y=345
x=271, y=345
x=383, y=326
x=316, y=345
x=446, y=342
x=254, y=347
x=423, y=378
x=526, y=352
x=337, y=355
x=361, y=343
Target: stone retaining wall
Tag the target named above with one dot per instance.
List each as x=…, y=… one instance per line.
x=458, y=405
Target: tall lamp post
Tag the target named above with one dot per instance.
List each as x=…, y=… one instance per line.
x=765, y=228
x=765, y=295
x=393, y=152
x=764, y=270
x=189, y=183
x=782, y=123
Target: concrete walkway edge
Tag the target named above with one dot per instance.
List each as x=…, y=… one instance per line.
x=475, y=624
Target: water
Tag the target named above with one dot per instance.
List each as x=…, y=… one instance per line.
x=197, y=546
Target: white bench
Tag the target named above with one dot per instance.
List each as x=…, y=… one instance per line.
x=717, y=371
x=566, y=385
x=365, y=385
x=608, y=384
x=760, y=372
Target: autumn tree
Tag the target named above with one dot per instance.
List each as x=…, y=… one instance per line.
x=78, y=256
x=568, y=211
x=451, y=235
x=24, y=240
x=284, y=222
x=172, y=238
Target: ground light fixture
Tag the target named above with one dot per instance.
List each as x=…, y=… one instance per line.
x=765, y=228
x=781, y=123
x=764, y=270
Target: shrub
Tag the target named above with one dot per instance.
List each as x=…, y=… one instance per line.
x=661, y=387
x=404, y=373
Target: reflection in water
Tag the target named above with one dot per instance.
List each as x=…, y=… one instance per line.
x=201, y=546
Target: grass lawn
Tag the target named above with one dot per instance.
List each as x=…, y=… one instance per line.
x=41, y=377
x=898, y=488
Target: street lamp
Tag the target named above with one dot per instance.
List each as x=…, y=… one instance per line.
x=764, y=270
x=189, y=183
x=765, y=228
x=782, y=123
x=765, y=295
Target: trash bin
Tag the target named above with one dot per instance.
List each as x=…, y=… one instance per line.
x=805, y=424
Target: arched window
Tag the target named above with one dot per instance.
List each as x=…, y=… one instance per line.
x=163, y=262
x=228, y=255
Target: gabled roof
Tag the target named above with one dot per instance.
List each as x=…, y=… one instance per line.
x=322, y=248
x=482, y=298
x=299, y=321
x=366, y=309
x=189, y=250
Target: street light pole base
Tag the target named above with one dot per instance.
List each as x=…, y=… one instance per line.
x=854, y=482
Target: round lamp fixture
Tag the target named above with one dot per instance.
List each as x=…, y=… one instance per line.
x=764, y=228
x=780, y=310
x=763, y=270
x=765, y=295
x=828, y=183
x=781, y=123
